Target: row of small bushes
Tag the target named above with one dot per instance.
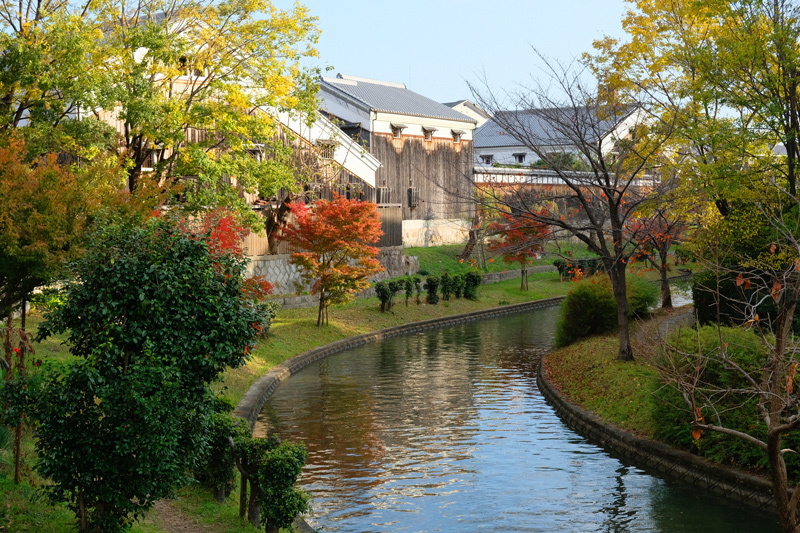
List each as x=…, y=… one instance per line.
x=448, y=286
x=578, y=268
x=590, y=308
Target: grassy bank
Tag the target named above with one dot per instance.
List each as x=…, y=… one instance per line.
x=293, y=332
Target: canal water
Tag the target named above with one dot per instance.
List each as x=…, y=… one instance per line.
x=447, y=431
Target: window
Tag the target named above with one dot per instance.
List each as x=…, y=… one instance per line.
x=383, y=195
x=413, y=197
x=457, y=134
x=255, y=153
x=487, y=159
x=326, y=149
x=397, y=130
x=519, y=158
x=427, y=132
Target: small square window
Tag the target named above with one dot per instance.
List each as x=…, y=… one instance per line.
x=397, y=130
x=427, y=133
x=519, y=158
x=487, y=159
x=326, y=149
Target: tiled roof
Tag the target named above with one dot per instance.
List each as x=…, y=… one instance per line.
x=391, y=98
x=540, y=126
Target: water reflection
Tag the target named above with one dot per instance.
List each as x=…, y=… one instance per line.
x=446, y=431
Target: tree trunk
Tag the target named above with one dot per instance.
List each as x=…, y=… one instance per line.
x=473, y=238
x=321, y=308
x=242, y=495
x=666, y=294
x=21, y=372
x=524, y=279
x=780, y=483
x=275, y=221
x=617, y=274
x=254, y=508
x=271, y=529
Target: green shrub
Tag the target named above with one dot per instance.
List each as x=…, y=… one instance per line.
x=418, y=288
x=642, y=296
x=408, y=285
x=459, y=282
x=385, y=290
x=735, y=411
x=447, y=286
x=471, y=283
x=432, y=288
x=730, y=301
x=590, y=308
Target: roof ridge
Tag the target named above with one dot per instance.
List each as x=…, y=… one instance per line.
x=346, y=77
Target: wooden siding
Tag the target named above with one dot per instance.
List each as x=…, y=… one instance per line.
x=391, y=225
x=440, y=170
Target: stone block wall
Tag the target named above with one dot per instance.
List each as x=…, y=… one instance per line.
x=287, y=278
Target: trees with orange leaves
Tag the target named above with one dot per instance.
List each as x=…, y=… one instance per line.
x=336, y=237
x=520, y=239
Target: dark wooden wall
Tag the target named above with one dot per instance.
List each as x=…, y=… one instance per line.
x=440, y=170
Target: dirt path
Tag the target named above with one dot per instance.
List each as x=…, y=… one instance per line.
x=649, y=335
x=172, y=520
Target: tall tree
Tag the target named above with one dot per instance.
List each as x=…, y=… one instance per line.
x=335, y=236
x=154, y=315
x=616, y=139
x=181, y=91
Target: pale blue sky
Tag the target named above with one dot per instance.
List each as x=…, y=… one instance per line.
x=436, y=46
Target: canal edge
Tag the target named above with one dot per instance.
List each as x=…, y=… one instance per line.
x=259, y=392
x=657, y=457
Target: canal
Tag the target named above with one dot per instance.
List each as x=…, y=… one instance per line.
x=446, y=431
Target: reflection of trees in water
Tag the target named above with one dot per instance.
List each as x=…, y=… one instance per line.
x=617, y=516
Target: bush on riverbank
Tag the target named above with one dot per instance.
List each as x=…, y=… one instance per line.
x=590, y=308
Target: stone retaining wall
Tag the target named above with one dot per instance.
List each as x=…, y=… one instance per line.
x=287, y=278
x=659, y=458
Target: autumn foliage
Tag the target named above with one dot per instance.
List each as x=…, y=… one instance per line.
x=520, y=238
x=337, y=256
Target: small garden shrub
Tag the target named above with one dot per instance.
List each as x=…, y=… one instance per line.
x=385, y=290
x=447, y=286
x=458, y=285
x=408, y=286
x=642, y=296
x=418, y=289
x=590, y=308
x=472, y=281
x=432, y=289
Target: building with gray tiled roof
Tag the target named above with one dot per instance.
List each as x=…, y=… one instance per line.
x=508, y=138
x=425, y=150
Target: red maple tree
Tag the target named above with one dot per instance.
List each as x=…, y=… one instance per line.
x=335, y=236
x=520, y=238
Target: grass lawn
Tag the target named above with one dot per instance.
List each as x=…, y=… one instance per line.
x=293, y=331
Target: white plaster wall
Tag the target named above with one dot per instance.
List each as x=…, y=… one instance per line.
x=382, y=123
x=435, y=232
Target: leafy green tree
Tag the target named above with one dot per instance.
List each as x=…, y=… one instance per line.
x=180, y=91
x=155, y=314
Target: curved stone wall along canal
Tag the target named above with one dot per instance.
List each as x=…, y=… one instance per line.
x=446, y=431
